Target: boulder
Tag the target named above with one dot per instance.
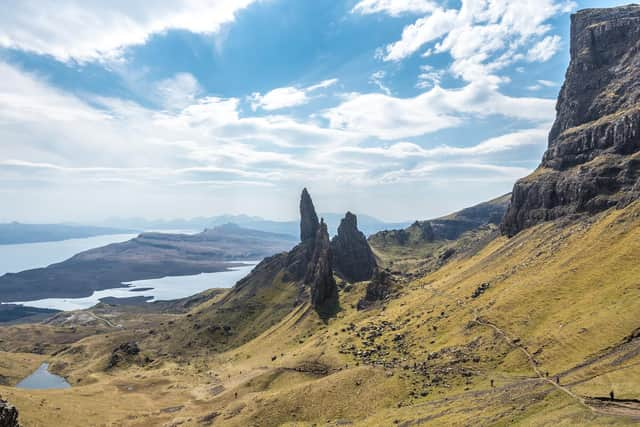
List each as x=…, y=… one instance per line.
x=124, y=352
x=8, y=415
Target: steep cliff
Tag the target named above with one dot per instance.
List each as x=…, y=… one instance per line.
x=593, y=159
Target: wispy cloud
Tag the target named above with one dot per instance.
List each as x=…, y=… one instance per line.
x=481, y=37
x=389, y=118
x=287, y=97
x=89, y=31
x=394, y=7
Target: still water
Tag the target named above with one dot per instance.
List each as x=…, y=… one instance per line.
x=25, y=256
x=164, y=289
x=42, y=379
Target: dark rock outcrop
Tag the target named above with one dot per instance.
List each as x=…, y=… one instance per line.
x=308, y=217
x=125, y=351
x=324, y=292
x=353, y=258
x=593, y=159
x=8, y=415
x=379, y=288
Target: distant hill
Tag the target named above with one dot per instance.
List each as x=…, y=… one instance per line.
x=15, y=232
x=148, y=256
x=367, y=224
x=425, y=246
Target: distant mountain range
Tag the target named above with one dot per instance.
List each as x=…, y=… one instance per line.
x=15, y=232
x=367, y=224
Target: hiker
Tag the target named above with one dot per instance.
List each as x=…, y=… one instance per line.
x=491, y=383
x=611, y=395
x=236, y=394
x=558, y=380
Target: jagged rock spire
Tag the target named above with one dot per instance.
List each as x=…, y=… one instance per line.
x=324, y=291
x=308, y=217
x=353, y=258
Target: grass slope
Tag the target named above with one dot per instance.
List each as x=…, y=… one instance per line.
x=562, y=298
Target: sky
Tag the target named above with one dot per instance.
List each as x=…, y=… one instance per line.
x=401, y=109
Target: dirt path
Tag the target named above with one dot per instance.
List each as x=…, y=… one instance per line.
x=102, y=319
x=596, y=405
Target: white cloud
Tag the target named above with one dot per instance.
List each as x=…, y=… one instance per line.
x=478, y=172
x=179, y=91
x=544, y=50
x=377, y=78
x=424, y=30
x=483, y=36
x=548, y=83
x=88, y=30
x=322, y=85
x=62, y=150
x=429, y=77
x=393, y=7
x=286, y=97
x=542, y=83
x=407, y=150
x=390, y=118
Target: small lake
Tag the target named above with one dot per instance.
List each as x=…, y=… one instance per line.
x=164, y=289
x=42, y=379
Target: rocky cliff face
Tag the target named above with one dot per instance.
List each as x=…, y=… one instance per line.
x=8, y=415
x=593, y=159
x=352, y=256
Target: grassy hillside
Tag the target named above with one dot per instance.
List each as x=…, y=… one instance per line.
x=425, y=246
x=562, y=298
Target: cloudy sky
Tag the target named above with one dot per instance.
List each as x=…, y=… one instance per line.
x=402, y=109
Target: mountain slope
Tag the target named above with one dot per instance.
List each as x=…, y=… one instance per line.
x=425, y=246
x=426, y=357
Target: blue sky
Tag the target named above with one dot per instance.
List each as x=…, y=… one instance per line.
x=402, y=109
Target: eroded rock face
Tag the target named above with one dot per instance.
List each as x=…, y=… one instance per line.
x=308, y=217
x=593, y=159
x=8, y=415
x=324, y=292
x=353, y=259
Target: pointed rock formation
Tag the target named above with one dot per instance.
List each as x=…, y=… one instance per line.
x=8, y=415
x=353, y=258
x=308, y=217
x=324, y=292
x=593, y=159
